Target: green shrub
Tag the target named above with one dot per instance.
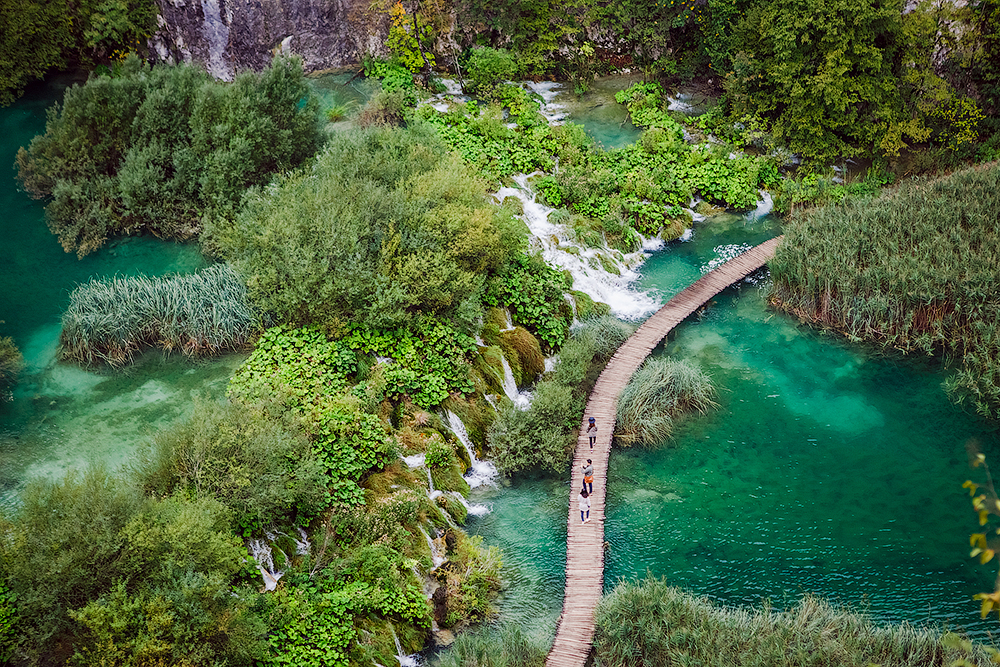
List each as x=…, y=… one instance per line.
x=471, y=578
x=243, y=455
x=533, y=292
x=112, y=318
x=488, y=69
x=73, y=547
x=159, y=149
x=39, y=37
x=661, y=390
x=384, y=228
x=524, y=354
x=440, y=454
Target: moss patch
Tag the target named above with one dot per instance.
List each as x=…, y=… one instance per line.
x=524, y=354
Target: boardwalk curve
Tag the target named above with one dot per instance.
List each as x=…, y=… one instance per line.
x=585, y=542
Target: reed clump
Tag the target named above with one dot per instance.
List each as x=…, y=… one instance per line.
x=110, y=319
x=503, y=645
x=661, y=390
x=652, y=623
x=914, y=270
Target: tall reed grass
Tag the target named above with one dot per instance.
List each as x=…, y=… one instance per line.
x=495, y=646
x=109, y=320
x=651, y=623
x=915, y=270
x=662, y=389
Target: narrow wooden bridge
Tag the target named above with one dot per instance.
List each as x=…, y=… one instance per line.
x=585, y=542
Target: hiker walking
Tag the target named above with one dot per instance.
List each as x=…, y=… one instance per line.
x=588, y=475
x=592, y=431
x=584, y=506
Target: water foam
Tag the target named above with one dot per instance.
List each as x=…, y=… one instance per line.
x=586, y=265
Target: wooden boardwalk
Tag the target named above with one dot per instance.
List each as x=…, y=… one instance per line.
x=585, y=542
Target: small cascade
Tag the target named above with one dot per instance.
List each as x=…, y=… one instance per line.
x=261, y=552
x=415, y=461
x=509, y=326
x=550, y=363
x=492, y=402
x=436, y=556
x=480, y=472
x=475, y=509
x=588, y=266
x=554, y=113
x=509, y=383
x=764, y=206
x=404, y=660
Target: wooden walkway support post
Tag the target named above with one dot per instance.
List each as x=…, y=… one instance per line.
x=585, y=541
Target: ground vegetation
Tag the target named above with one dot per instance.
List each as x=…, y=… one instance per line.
x=650, y=623
x=660, y=391
x=205, y=313
x=912, y=270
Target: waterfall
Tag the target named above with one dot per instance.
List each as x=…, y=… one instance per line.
x=476, y=509
x=510, y=386
x=404, y=660
x=764, y=206
x=216, y=33
x=261, y=552
x=480, y=472
x=436, y=556
x=588, y=266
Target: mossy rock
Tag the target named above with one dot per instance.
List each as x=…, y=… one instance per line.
x=587, y=307
x=674, y=230
x=608, y=264
x=489, y=364
x=573, y=250
x=454, y=507
x=707, y=209
x=449, y=478
x=567, y=279
x=513, y=205
x=524, y=354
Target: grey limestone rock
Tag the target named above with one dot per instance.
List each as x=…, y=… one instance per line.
x=228, y=36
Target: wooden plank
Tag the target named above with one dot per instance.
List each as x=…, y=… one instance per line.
x=585, y=542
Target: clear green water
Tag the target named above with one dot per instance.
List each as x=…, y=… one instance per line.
x=62, y=416
x=601, y=116
x=826, y=469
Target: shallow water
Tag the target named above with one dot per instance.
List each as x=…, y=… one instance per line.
x=826, y=469
x=62, y=416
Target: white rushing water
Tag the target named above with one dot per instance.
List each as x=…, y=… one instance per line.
x=521, y=400
x=404, y=660
x=586, y=265
x=480, y=472
x=551, y=110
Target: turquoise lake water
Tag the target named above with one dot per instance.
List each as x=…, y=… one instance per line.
x=827, y=468
x=62, y=416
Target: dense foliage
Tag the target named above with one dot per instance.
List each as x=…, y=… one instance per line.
x=132, y=578
x=651, y=623
x=541, y=437
x=385, y=227
x=38, y=36
x=159, y=149
x=110, y=319
x=913, y=270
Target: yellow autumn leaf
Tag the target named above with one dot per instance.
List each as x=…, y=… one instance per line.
x=986, y=556
x=971, y=486
x=984, y=516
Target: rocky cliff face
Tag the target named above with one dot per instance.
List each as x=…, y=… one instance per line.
x=228, y=36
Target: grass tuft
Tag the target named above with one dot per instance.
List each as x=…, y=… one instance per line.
x=109, y=320
x=659, y=391
x=652, y=623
